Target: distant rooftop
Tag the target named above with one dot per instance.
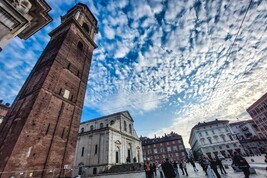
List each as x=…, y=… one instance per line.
x=204, y=124
x=165, y=138
x=125, y=113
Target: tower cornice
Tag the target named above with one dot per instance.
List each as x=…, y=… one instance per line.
x=74, y=21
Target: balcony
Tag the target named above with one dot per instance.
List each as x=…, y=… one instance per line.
x=244, y=128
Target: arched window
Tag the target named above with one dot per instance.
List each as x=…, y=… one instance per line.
x=112, y=122
x=130, y=128
x=91, y=127
x=125, y=126
x=85, y=27
x=80, y=46
x=101, y=125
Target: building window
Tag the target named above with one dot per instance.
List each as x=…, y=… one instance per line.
x=210, y=140
x=125, y=126
x=207, y=133
x=80, y=46
x=96, y=149
x=169, y=149
x=85, y=27
x=82, y=151
x=231, y=138
x=223, y=137
x=213, y=131
x=91, y=127
x=130, y=128
x=112, y=122
x=174, y=148
x=101, y=125
x=94, y=170
x=155, y=151
x=82, y=130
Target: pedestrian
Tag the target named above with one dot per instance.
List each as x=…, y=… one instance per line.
x=241, y=163
x=175, y=167
x=219, y=163
x=205, y=163
x=213, y=166
x=148, y=170
x=160, y=170
x=184, y=167
x=168, y=169
x=154, y=169
x=193, y=164
x=181, y=166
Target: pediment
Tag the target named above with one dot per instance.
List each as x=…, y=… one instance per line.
x=127, y=115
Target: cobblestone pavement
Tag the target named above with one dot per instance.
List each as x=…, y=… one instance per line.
x=192, y=174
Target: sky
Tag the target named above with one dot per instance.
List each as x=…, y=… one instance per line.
x=170, y=63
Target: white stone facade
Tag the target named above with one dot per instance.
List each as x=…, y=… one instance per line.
x=213, y=138
x=106, y=141
x=22, y=18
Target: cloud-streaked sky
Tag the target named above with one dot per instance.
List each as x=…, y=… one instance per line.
x=168, y=62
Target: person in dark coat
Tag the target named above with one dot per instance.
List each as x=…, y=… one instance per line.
x=175, y=168
x=219, y=163
x=181, y=166
x=193, y=164
x=241, y=163
x=168, y=169
x=213, y=166
x=154, y=169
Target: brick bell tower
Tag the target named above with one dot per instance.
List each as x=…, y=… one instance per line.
x=38, y=136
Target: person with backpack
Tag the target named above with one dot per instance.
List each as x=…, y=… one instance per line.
x=148, y=170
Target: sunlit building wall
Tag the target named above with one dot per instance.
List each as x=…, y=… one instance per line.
x=213, y=138
x=258, y=112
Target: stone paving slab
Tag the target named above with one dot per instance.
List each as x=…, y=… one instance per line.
x=192, y=174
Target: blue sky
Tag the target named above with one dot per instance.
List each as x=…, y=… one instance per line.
x=167, y=62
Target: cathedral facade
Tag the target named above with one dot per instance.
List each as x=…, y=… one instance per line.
x=105, y=142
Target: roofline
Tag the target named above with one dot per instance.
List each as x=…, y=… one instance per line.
x=257, y=102
x=206, y=123
x=84, y=5
x=99, y=118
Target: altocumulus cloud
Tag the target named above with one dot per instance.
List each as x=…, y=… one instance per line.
x=164, y=55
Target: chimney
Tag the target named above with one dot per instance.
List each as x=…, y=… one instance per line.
x=155, y=136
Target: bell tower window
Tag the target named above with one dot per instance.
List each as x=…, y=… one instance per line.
x=80, y=46
x=85, y=27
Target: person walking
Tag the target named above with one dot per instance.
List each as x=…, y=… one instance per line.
x=160, y=170
x=181, y=166
x=148, y=170
x=219, y=163
x=241, y=163
x=168, y=169
x=193, y=164
x=175, y=167
x=184, y=167
x=213, y=166
x=205, y=163
x=154, y=169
